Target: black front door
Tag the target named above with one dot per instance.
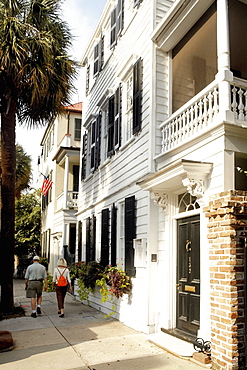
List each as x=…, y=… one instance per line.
x=188, y=275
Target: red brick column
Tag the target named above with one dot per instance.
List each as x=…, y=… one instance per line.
x=227, y=228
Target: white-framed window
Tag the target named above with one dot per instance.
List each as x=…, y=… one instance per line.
x=77, y=128
x=98, y=56
x=117, y=19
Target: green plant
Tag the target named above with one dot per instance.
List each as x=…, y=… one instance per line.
x=44, y=262
x=49, y=283
x=75, y=268
x=118, y=281
x=111, y=280
x=83, y=291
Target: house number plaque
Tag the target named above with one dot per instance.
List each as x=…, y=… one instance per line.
x=189, y=288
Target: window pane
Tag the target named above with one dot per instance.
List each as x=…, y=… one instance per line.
x=194, y=61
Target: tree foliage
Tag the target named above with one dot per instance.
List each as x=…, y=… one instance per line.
x=27, y=224
x=36, y=81
x=23, y=170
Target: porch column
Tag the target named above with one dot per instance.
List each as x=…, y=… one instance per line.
x=66, y=180
x=224, y=75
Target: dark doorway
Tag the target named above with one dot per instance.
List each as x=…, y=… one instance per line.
x=188, y=275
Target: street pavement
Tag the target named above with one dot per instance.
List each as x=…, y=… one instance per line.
x=83, y=340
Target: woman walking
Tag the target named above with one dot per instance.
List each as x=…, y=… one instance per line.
x=61, y=278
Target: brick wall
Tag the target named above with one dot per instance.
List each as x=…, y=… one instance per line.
x=227, y=229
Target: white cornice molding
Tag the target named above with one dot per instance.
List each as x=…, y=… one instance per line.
x=173, y=174
x=178, y=21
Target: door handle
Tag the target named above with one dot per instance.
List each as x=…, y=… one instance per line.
x=187, y=246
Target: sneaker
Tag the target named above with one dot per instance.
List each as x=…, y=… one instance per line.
x=38, y=310
x=33, y=314
x=62, y=315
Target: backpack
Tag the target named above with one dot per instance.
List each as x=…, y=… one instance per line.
x=62, y=281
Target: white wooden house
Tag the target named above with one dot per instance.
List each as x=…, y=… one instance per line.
x=60, y=161
x=162, y=187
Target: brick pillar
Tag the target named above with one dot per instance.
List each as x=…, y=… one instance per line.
x=227, y=232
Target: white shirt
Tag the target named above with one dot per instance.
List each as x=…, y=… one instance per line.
x=57, y=275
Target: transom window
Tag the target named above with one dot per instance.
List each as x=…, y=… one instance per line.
x=187, y=202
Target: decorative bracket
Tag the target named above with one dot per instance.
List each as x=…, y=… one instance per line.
x=161, y=199
x=195, y=188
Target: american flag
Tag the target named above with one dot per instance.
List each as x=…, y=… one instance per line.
x=47, y=184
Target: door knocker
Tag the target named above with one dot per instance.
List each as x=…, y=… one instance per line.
x=188, y=243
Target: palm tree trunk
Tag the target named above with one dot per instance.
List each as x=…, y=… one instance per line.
x=8, y=159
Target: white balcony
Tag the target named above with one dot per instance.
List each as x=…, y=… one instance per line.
x=70, y=203
x=202, y=112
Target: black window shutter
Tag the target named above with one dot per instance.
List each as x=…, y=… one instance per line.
x=137, y=95
x=119, y=17
x=105, y=237
x=93, y=239
x=96, y=58
x=110, y=148
x=88, y=79
x=93, y=144
x=98, y=141
x=137, y=2
x=79, y=250
x=102, y=53
x=130, y=234
x=84, y=157
x=113, y=28
x=88, y=239
x=113, y=235
x=117, y=118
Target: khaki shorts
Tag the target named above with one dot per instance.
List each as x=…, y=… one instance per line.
x=34, y=289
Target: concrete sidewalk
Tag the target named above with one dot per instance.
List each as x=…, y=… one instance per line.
x=82, y=340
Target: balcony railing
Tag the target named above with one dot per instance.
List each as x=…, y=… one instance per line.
x=201, y=112
x=191, y=118
x=239, y=99
x=72, y=200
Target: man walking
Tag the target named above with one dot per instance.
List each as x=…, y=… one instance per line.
x=34, y=277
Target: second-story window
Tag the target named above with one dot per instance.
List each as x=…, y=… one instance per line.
x=137, y=95
x=114, y=122
x=95, y=143
x=98, y=56
x=77, y=128
x=117, y=20
x=129, y=108
x=84, y=157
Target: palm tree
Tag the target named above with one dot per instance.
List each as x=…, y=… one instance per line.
x=36, y=76
x=23, y=171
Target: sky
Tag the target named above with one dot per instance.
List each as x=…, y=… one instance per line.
x=82, y=17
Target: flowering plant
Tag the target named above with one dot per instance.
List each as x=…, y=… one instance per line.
x=75, y=268
x=118, y=281
x=93, y=273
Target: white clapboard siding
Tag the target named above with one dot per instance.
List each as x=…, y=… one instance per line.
x=162, y=8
